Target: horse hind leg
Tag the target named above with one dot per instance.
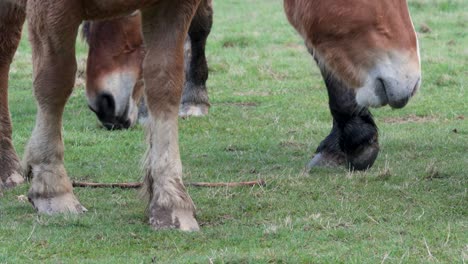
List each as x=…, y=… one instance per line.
x=195, y=96
x=52, y=33
x=11, y=22
x=170, y=206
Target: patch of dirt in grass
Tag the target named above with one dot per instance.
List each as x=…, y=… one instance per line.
x=236, y=41
x=267, y=70
x=219, y=220
x=410, y=119
x=252, y=93
x=445, y=80
x=433, y=172
x=234, y=148
x=292, y=145
x=242, y=104
x=451, y=42
x=424, y=28
x=295, y=46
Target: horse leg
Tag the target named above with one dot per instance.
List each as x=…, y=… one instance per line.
x=353, y=139
x=11, y=22
x=53, y=28
x=165, y=27
x=195, y=95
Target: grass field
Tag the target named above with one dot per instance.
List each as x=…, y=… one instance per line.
x=269, y=112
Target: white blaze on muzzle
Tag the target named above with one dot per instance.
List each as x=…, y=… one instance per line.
x=393, y=80
x=120, y=85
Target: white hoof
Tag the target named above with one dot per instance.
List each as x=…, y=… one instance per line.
x=188, y=110
x=64, y=203
x=13, y=180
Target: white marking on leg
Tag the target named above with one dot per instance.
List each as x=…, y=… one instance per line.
x=171, y=206
x=165, y=165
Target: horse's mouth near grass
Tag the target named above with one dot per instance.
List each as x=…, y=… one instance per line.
x=399, y=104
x=381, y=92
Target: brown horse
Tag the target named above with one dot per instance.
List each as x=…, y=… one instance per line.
x=368, y=54
x=114, y=85
x=367, y=51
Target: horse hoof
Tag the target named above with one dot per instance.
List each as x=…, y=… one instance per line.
x=365, y=158
x=188, y=110
x=13, y=180
x=64, y=203
x=173, y=218
x=10, y=168
x=325, y=159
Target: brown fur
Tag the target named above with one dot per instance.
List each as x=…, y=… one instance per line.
x=12, y=15
x=348, y=36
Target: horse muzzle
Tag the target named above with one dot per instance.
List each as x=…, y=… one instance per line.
x=105, y=110
x=392, y=83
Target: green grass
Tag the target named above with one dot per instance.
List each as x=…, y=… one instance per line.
x=269, y=112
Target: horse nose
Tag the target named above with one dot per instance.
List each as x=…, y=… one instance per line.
x=398, y=91
x=105, y=111
x=105, y=106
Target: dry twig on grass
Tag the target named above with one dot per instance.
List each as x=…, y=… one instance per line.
x=135, y=185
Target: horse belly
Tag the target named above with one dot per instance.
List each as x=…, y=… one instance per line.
x=100, y=9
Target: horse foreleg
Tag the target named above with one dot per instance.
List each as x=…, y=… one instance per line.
x=11, y=22
x=195, y=95
x=353, y=140
x=52, y=30
x=165, y=26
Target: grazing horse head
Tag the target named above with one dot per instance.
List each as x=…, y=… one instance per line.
x=370, y=46
x=113, y=85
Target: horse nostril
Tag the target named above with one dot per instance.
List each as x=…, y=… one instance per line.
x=381, y=89
x=107, y=115
x=105, y=106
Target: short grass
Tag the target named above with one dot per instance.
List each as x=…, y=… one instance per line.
x=269, y=113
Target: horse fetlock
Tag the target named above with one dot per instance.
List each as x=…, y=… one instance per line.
x=194, y=94
x=51, y=191
x=360, y=143
x=194, y=101
x=40, y=157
